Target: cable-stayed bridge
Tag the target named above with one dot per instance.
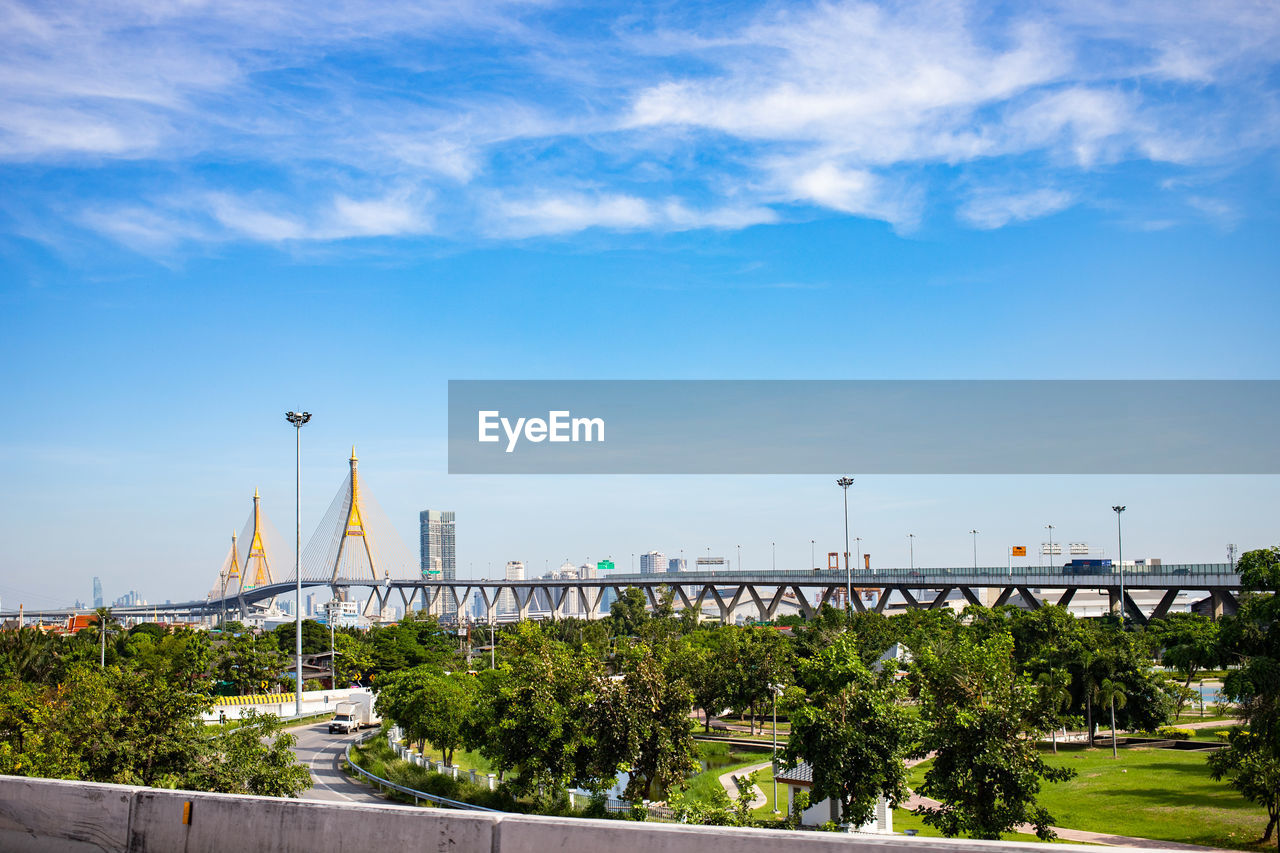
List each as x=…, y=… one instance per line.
x=356, y=553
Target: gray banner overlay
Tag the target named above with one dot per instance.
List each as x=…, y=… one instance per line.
x=864, y=426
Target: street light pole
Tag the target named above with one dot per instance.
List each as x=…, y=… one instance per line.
x=297, y=419
x=845, y=483
x=975, y=548
x=1120, y=554
x=813, y=558
x=857, y=545
x=773, y=688
x=911, y=544
x=1049, y=527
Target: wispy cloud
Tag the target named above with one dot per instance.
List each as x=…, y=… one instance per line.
x=995, y=210
x=276, y=122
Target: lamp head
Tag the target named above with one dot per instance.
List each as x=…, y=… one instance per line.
x=1118, y=508
x=844, y=482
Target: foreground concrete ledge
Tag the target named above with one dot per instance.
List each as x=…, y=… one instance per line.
x=57, y=815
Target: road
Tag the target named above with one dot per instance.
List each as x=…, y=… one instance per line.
x=322, y=753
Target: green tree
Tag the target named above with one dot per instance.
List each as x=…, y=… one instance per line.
x=981, y=716
x=854, y=731
x=1251, y=638
x=1055, y=694
x=1189, y=643
x=254, y=758
x=105, y=624
x=532, y=712
x=428, y=705
x=659, y=700
x=1112, y=693
x=1252, y=767
x=248, y=662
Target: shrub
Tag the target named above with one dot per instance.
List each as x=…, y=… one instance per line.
x=1172, y=733
x=1223, y=735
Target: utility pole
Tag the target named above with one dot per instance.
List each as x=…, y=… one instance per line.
x=844, y=483
x=297, y=419
x=1120, y=554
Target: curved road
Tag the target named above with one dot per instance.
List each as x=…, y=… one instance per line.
x=322, y=753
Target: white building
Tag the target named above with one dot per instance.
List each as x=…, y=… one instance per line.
x=507, y=598
x=653, y=563
x=801, y=779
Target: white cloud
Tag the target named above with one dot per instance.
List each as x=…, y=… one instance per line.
x=995, y=210
x=549, y=126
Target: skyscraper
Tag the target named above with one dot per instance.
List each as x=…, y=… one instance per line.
x=97, y=592
x=439, y=556
x=675, y=565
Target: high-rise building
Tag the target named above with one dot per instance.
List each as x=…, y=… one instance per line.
x=507, y=598
x=676, y=565
x=653, y=563
x=439, y=555
x=97, y=592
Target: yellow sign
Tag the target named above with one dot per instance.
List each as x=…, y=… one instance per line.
x=1019, y=550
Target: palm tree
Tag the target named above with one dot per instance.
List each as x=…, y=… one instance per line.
x=1112, y=692
x=1055, y=691
x=106, y=624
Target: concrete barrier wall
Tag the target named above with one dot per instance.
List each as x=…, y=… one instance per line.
x=54, y=816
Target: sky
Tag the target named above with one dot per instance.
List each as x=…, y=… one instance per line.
x=211, y=213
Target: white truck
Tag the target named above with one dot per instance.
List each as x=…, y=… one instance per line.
x=354, y=713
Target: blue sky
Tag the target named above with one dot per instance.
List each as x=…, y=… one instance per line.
x=215, y=212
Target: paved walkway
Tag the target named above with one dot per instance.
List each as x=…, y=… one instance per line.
x=731, y=787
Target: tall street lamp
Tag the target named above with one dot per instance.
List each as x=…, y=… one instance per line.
x=813, y=558
x=845, y=483
x=857, y=545
x=1120, y=552
x=911, y=545
x=775, y=689
x=297, y=419
x=975, y=548
x=1049, y=527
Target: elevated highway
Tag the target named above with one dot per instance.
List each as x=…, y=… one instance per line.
x=728, y=592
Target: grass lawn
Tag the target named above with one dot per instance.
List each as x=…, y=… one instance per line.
x=1151, y=793
x=1146, y=793
x=721, y=760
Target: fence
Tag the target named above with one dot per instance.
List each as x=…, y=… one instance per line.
x=417, y=795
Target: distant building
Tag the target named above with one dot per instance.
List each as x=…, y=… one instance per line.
x=676, y=565
x=342, y=614
x=653, y=563
x=97, y=593
x=507, y=598
x=438, y=554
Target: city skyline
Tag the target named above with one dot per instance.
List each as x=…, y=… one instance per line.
x=212, y=216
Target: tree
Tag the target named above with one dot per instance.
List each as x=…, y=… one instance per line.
x=533, y=710
x=979, y=715
x=853, y=731
x=705, y=670
x=107, y=624
x=250, y=663
x=1189, y=643
x=430, y=706
x=1251, y=766
x=354, y=660
x=1251, y=762
x=254, y=758
x=659, y=701
x=1055, y=693
x=628, y=613
x=1111, y=693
